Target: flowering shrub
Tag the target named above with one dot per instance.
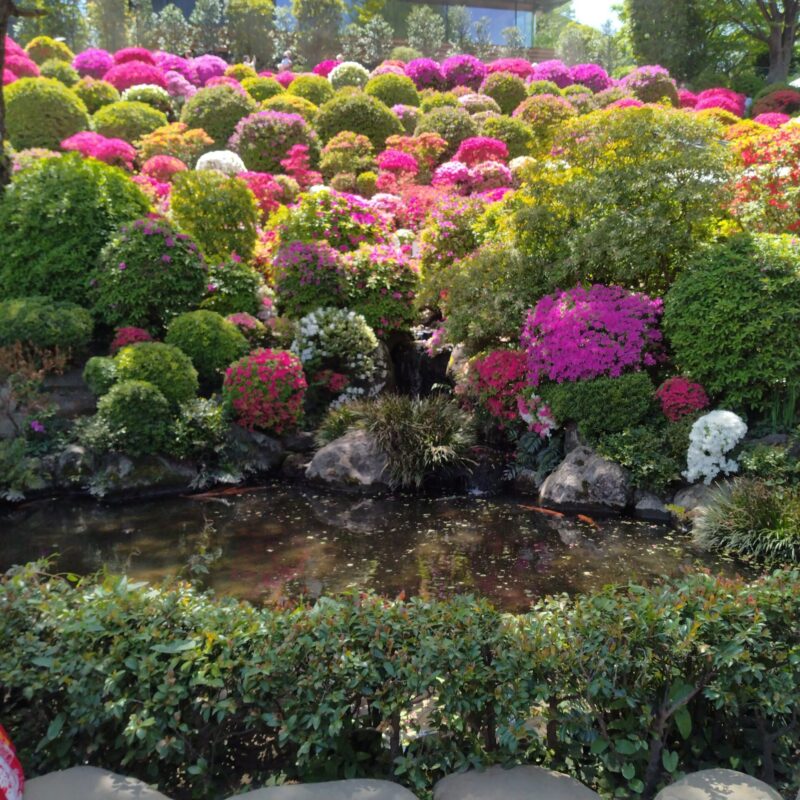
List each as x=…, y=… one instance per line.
x=92, y=145
x=721, y=101
x=22, y=66
x=264, y=138
x=147, y=274
x=506, y=89
x=408, y=116
x=217, y=110
x=651, y=84
x=175, y=139
x=772, y=120
x=426, y=73
x=8, y=77
x=347, y=152
x=153, y=96
x=686, y=99
x=514, y=66
x=426, y=148
x=268, y=192
x=544, y=113
x=401, y=165
x=490, y=176
x=266, y=390
x=712, y=437
x=285, y=78
x=207, y=67
x=680, y=397
x=477, y=149
x=163, y=168
x=495, y=383
x=297, y=165
x=452, y=124
x=132, y=73
x=138, y=54
x=225, y=161
x=233, y=286
x=782, y=101
x=308, y=275
x=478, y=105
x=126, y=336
x=169, y=62
x=178, y=87
x=554, y=71
x=586, y=333
x=324, y=67
x=128, y=120
x=463, y=70
x=250, y=327
x=348, y=73
x=95, y=94
x=592, y=76
x=93, y=62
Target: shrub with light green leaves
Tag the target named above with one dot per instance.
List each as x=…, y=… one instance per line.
x=393, y=90
x=100, y=374
x=45, y=48
x=45, y=324
x=314, y=88
x=61, y=71
x=516, y=133
x=233, y=287
x=359, y=113
x=506, y=89
x=261, y=89
x=128, y=120
x=150, y=95
x=96, y=94
x=291, y=104
x=217, y=110
x=452, y=124
x=164, y=366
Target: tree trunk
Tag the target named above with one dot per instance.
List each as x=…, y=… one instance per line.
x=5, y=162
x=781, y=48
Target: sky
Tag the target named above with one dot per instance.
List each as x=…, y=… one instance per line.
x=594, y=12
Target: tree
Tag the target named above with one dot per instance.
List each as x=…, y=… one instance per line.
x=512, y=39
x=368, y=44
x=550, y=25
x=614, y=49
x=483, y=37
x=109, y=20
x=579, y=44
x=425, y=30
x=172, y=29
x=367, y=10
x=144, y=29
x=250, y=25
x=284, y=32
x=62, y=19
x=208, y=22
x=458, y=21
x=318, y=25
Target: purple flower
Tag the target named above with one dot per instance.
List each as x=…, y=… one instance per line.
x=122, y=265
x=37, y=426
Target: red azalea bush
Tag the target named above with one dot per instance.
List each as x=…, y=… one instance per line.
x=127, y=54
x=133, y=73
x=163, y=168
x=783, y=101
x=495, y=382
x=687, y=99
x=582, y=334
x=478, y=149
x=516, y=66
x=117, y=152
x=680, y=396
x=266, y=390
x=128, y=336
x=267, y=190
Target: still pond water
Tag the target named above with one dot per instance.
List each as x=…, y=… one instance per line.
x=275, y=542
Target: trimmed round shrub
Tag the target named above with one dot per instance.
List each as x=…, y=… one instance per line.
x=314, y=88
x=93, y=63
x=207, y=67
x=290, y=104
x=358, y=113
x=474, y=103
x=452, y=124
x=348, y=73
x=225, y=161
x=308, y=275
x=137, y=416
x=56, y=216
x=266, y=390
x=393, y=90
x=783, y=101
x=430, y=100
x=592, y=76
x=426, y=73
x=96, y=93
x=347, y=152
x=233, y=287
x=153, y=96
x=169, y=369
x=45, y=324
x=507, y=90
x=210, y=341
x=264, y=139
x=651, y=84
x=177, y=140
x=240, y=71
x=544, y=87
x=217, y=110
x=44, y=48
x=261, y=89
x=163, y=168
x=463, y=70
x=128, y=120
x=218, y=212
x=138, y=54
x=544, y=113
x=553, y=71
x=731, y=319
x=42, y=112
x=146, y=274
x=133, y=73
x=100, y=374
x=93, y=145
x=60, y=71
x=515, y=133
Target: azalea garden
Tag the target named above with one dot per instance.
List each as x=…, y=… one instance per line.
x=573, y=287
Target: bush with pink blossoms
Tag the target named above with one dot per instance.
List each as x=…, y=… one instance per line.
x=265, y=138
x=178, y=86
x=555, y=71
x=651, y=84
x=163, y=168
x=463, y=70
x=308, y=275
x=680, y=397
x=591, y=75
x=12, y=48
x=515, y=66
x=721, y=98
x=8, y=77
x=400, y=164
x=426, y=73
x=183, y=66
x=127, y=54
x=478, y=149
x=297, y=165
x=325, y=68
x=226, y=80
x=773, y=120
x=266, y=390
x=494, y=383
x=285, y=78
x=22, y=66
x=451, y=174
x=267, y=190
x=581, y=334
x=687, y=99
x=134, y=73
x=123, y=337
x=489, y=175
x=207, y=67
x=93, y=145
x=626, y=102
x=93, y=62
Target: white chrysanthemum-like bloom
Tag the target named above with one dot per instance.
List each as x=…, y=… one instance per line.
x=516, y=165
x=348, y=73
x=713, y=436
x=133, y=91
x=225, y=161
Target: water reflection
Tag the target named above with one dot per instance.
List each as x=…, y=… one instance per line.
x=282, y=541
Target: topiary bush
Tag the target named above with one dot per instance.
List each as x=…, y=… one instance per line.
x=651, y=85
x=44, y=48
x=133, y=73
x=137, y=417
x=308, y=275
x=177, y=140
x=95, y=93
x=452, y=124
x=217, y=110
x=545, y=113
x=100, y=374
x=42, y=112
x=261, y=89
x=240, y=71
x=348, y=73
x=730, y=319
x=264, y=139
x=430, y=99
x=61, y=71
x=146, y=274
x=153, y=96
x=45, y=324
x=128, y=120
x=210, y=341
x=164, y=366
x=393, y=90
x=347, y=152
x=314, y=88
x=291, y=104
x=56, y=216
x=233, y=287
x=359, y=113
x=93, y=63
x=506, y=89
x=516, y=133
x=218, y=212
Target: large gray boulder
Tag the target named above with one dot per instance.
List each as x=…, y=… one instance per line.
x=718, y=784
x=122, y=476
x=693, y=500
x=88, y=783
x=356, y=789
x=351, y=463
x=586, y=482
x=517, y=783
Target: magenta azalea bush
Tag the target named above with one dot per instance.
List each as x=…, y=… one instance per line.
x=93, y=62
x=582, y=334
x=680, y=397
x=477, y=149
x=426, y=73
x=117, y=152
x=463, y=70
x=516, y=66
x=134, y=73
x=207, y=67
x=591, y=75
x=265, y=138
x=556, y=71
x=140, y=54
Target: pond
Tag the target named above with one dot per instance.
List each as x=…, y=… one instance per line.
x=274, y=542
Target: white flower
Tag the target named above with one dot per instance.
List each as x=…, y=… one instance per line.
x=224, y=161
x=711, y=437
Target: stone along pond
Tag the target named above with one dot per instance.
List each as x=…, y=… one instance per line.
x=275, y=542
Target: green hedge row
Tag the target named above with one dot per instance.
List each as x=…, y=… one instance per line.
x=625, y=689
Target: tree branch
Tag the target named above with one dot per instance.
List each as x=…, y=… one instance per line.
x=16, y=11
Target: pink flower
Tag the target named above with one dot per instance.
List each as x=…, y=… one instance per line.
x=679, y=397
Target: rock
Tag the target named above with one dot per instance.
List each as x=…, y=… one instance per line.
x=357, y=789
x=586, y=482
x=88, y=783
x=716, y=784
x=295, y=465
x=650, y=507
x=525, y=483
x=572, y=438
x=73, y=467
x=351, y=463
x=299, y=442
x=458, y=363
x=147, y=476
x=693, y=500
x=69, y=394
x=518, y=783
x=262, y=453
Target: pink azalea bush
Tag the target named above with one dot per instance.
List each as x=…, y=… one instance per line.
x=183, y=66
x=686, y=98
x=325, y=68
x=93, y=62
x=140, y=54
x=463, y=70
x=398, y=163
x=8, y=77
x=772, y=120
x=297, y=165
x=582, y=334
x=489, y=175
x=285, y=78
x=516, y=66
x=22, y=66
x=267, y=190
x=680, y=397
x=163, y=168
x=426, y=73
x=134, y=73
x=451, y=174
x=721, y=98
x=478, y=149
x=123, y=337
x=117, y=152
x=556, y=71
x=494, y=382
x=207, y=67
x=178, y=86
x=591, y=75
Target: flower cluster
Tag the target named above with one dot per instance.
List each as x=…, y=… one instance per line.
x=128, y=336
x=132, y=73
x=224, y=161
x=490, y=175
x=463, y=70
x=477, y=149
x=308, y=275
x=494, y=383
x=266, y=390
x=582, y=334
x=554, y=71
x=93, y=62
x=451, y=174
x=712, y=437
x=725, y=99
x=516, y=66
x=264, y=138
x=679, y=397
x=398, y=163
x=207, y=67
x=94, y=145
x=267, y=190
x=163, y=168
x=592, y=76
x=297, y=165
x=426, y=73
x=536, y=414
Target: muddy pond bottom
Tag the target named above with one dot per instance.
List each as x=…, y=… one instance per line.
x=277, y=542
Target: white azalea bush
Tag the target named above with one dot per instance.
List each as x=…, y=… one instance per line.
x=225, y=161
x=712, y=437
x=348, y=73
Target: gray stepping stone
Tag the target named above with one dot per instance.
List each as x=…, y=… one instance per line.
x=517, y=783
x=88, y=783
x=718, y=784
x=356, y=789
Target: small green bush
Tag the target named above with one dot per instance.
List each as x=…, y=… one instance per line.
x=393, y=90
x=544, y=87
x=233, y=287
x=217, y=110
x=291, y=104
x=545, y=114
x=44, y=48
x=128, y=120
x=347, y=152
x=100, y=374
x=200, y=432
x=218, y=212
x=360, y=113
x=506, y=89
x=45, y=324
x=516, y=133
x=137, y=417
x=96, y=94
x=240, y=72
x=210, y=341
x=264, y=139
x=602, y=405
x=150, y=95
x=643, y=451
x=430, y=100
x=164, y=366
x=55, y=218
x=404, y=53
x=261, y=89
x=314, y=88
x=452, y=124
x=366, y=183
x=60, y=71
x=347, y=74
x=42, y=112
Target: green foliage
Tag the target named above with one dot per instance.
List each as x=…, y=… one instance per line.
x=218, y=212
x=233, y=287
x=360, y=113
x=429, y=100
x=200, y=432
x=369, y=42
x=402, y=53
x=731, y=319
x=544, y=87
x=56, y=216
x=774, y=465
x=207, y=20
x=506, y=89
x=45, y=324
x=164, y=366
x=42, y=112
x=347, y=152
x=546, y=116
x=44, y=48
x=263, y=141
x=602, y=405
x=60, y=71
x=171, y=30
x=516, y=133
x=153, y=96
x=249, y=29
x=96, y=94
x=426, y=30
x=128, y=120
x=137, y=417
x=240, y=72
x=210, y=341
x=348, y=74
x=393, y=89
x=318, y=26
x=291, y=104
x=314, y=88
x=452, y=124
x=19, y=471
x=217, y=109
x=261, y=89
x=366, y=183
x=100, y=374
